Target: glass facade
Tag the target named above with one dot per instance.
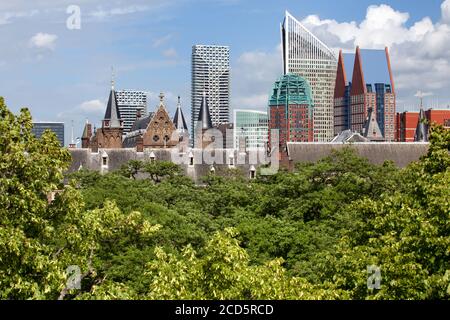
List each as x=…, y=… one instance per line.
x=129, y=102
x=305, y=55
x=253, y=126
x=56, y=127
x=211, y=74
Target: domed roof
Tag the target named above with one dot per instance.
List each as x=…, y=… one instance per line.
x=291, y=88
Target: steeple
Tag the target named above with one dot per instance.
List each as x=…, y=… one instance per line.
x=371, y=129
x=178, y=120
x=112, y=115
x=422, y=127
x=204, y=117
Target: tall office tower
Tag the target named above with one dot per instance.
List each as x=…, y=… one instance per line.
x=305, y=55
x=129, y=102
x=372, y=87
x=291, y=110
x=56, y=127
x=251, y=125
x=211, y=74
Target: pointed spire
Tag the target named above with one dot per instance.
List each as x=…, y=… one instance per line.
x=204, y=117
x=422, y=127
x=161, y=99
x=112, y=114
x=112, y=78
x=371, y=129
x=178, y=120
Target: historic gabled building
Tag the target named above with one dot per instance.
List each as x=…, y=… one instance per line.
x=156, y=130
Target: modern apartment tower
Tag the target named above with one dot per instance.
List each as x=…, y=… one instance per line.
x=371, y=88
x=211, y=74
x=306, y=56
x=251, y=125
x=129, y=103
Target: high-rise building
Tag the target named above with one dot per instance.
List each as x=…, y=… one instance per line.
x=129, y=102
x=211, y=74
x=291, y=110
x=56, y=127
x=251, y=125
x=306, y=56
x=371, y=88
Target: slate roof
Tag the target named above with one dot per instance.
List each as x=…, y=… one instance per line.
x=204, y=117
x=112, y=111
x=179, y=120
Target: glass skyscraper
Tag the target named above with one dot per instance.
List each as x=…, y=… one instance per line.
x=211, y=74
x=306, y=56
x=56, y=127
x=253, y=126
x=129, y=102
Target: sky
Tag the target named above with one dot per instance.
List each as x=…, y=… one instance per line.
x=64, y=74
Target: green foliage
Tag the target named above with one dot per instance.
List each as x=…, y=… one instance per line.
x=158, y=170
x=307, y=234
x=223, y=272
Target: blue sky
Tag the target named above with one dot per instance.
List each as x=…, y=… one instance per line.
x=64, y=75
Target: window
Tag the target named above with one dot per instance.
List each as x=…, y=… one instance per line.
x=105, y=161
x=156, y=138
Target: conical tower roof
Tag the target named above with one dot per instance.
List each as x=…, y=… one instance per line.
x=178, y=120
x=112, y=113
x=422, y=128
x=204, y=117
x=372, y=130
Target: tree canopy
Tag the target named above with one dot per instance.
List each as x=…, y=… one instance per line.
x=148, y=232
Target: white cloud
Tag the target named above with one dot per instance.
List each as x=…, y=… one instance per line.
x=170, y=53
x=420, y=53
x=105, y=13
x=162, y=40
x=252, y=78
x=93, y=106
x=445, y=8
x=43, y=41
x=8, y=17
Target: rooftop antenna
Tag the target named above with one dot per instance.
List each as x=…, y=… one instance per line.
x=422, y=95
x=72, y=134
x=112, y=78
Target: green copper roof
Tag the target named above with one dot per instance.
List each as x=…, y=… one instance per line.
x=291, y=89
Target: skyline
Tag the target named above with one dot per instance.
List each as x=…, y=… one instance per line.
x=64, y=75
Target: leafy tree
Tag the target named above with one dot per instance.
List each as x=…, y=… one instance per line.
x=131, y=169
x=158, y=170
x=40, y=239
x=223, y=272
